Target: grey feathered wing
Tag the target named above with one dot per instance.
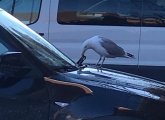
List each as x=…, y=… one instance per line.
x=112, y=48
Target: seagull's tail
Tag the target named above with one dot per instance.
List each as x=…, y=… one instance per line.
x=128, y=55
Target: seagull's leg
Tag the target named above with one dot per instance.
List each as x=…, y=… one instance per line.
x=100, y=67
x=102, y=62
x=99, y=61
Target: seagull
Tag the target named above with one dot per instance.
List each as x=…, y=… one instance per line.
x=104, y=47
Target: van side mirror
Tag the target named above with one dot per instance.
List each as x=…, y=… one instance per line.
x=10, y=58
x=12, y=68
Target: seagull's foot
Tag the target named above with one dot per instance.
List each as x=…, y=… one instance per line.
x=97, y=65
x=99, y=68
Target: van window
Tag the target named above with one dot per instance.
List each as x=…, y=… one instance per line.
x=100, y=12
x=154, y=13
x=25, y=10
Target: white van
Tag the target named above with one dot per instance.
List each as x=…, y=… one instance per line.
x=135, y=25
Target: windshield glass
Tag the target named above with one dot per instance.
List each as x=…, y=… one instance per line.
x=38, y=46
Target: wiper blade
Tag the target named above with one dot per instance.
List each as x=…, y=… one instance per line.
x=65, y=68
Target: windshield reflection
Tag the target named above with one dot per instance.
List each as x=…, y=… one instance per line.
x=38, y=46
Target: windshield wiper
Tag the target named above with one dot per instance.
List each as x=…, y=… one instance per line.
x=65, y=68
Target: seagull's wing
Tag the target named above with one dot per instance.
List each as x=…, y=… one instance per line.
x=112, y=48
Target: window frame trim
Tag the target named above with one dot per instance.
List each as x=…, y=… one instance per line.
x=38, y=15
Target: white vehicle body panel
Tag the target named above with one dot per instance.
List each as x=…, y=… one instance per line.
x=41, y=26
x=152, y=46
x=69, y=38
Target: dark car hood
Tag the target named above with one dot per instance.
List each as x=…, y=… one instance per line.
x=120, y=81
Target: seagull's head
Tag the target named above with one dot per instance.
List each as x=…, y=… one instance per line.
x=85, y=46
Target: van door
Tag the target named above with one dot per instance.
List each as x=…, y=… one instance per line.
x=31, y=12
x=152, y=47
x=74, y=21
